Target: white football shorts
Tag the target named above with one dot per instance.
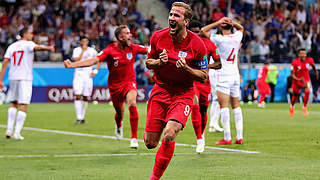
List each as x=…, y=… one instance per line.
x=82, y=84
x=213, y=81
x=229, y=84
x=20, y=91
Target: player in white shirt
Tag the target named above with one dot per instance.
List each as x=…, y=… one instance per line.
x=20, y=55
x=228, y=77
x=82, y=80
x=215, y=107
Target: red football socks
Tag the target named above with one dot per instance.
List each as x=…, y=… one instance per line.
x=196, y=120
x=306, y=98
x=134, y=119
x=118, y=120
x=163, y=158
x=262, y=98
x=293, y=100
x=204, y=117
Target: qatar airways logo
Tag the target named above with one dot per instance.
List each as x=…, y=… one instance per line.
x=65, y=94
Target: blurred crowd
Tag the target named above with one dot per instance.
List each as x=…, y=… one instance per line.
x=275, y=29
x=62, y=22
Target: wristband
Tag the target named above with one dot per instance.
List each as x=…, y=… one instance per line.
x=95, y=71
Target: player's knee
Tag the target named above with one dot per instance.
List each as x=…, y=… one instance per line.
x=169, y=135
x=132, y=103
x=150, y=144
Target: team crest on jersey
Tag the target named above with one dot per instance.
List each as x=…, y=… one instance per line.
x=182, y=54
x=101, y=52
x=129, y=56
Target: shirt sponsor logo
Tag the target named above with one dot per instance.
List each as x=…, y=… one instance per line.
x=182, y=54
x=129, y=56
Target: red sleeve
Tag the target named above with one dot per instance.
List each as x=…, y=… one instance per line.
x=201, y=59
x=141, y=49
x=202, y=51
x=311, y=61
x=266, y=69
x=293, y=65
x=152, y=51
x=102, y=55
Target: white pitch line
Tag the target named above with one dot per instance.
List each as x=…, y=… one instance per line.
x=100, y=155
x=23, y=156
x=127, y=139
x=279, y=110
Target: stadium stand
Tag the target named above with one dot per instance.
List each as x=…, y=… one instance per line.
x=274, y=28
x=60, y=23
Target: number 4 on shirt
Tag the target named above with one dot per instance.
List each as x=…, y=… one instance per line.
x=15, y=57
x=231, y=56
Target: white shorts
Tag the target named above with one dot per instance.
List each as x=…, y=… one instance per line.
x=229, y=84
x=82, y=84
x=20, y=91
x=213, y=81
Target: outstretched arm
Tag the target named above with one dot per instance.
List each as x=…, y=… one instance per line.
x=83, y=63
x=44, y=48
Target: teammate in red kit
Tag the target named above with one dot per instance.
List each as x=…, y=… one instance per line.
x=177, y=57
x=120, y=57
x=301, y=79
x=263, y=86
x=202, y=90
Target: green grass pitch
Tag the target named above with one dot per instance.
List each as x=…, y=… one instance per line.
x=289, y=147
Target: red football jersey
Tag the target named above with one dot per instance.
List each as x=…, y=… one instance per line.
x=301, y=69
x=262, y=74
x=212, y=51
x=191, y=48
x=120, y=63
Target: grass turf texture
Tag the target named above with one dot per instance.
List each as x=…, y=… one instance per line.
x=289, y=147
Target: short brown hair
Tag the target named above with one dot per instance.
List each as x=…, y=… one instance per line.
x=118, y=30
x=188, y=10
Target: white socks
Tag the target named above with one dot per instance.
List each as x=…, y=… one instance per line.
x=239, y=122
x=225, y=119
x=84, y=108
x=78, y=108
x=21, y=117
x=11, y=117
x=214, y=113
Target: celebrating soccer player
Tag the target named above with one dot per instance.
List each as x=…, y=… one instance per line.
x=202, y=90
x=82, y=80
x=177, y=57
x=263, y=86
x=228, y=85
x=120, y=57
x=301, y=79
x=20, y=55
